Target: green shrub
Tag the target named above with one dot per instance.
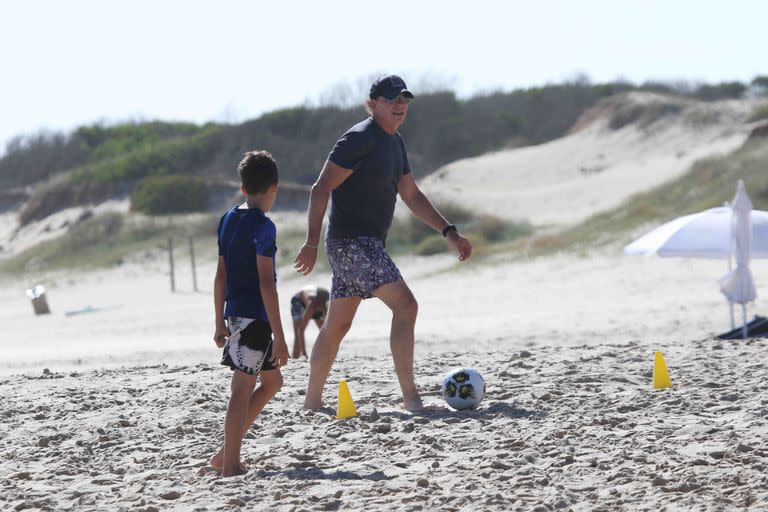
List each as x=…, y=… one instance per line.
x=433, y=244
x=63, y=192
x=159, y=195
x=412, y=235
x=759, y=114
x=495, y=229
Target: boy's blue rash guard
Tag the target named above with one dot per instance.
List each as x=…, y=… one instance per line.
x=243, y=234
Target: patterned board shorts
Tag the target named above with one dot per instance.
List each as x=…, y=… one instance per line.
x=360, y=266
x=249, y=348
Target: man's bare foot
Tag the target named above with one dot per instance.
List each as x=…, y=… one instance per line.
x=217, y=462
x=239, y=472
x=417, y=406
x=313, y=406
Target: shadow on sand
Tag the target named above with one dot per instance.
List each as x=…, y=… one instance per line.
x=315, y=473
x=492, y=409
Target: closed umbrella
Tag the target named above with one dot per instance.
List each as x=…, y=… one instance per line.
x=738, y=285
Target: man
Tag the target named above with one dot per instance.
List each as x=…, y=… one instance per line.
x=366, y=170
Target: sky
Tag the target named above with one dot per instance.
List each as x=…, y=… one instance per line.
x=65, y=64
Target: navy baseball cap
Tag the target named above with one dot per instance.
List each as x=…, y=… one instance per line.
x=389, y=86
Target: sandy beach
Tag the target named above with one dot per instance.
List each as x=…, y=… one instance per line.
x=116, y=400
x=562, y=428
x=120, y=408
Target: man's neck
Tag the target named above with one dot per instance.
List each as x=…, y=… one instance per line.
x=389, y=129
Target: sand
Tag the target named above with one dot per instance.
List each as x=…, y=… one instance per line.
x=116, y=400
x=571, y=428
x=120, y=408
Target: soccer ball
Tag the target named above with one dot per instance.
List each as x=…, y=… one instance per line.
x=463, y=388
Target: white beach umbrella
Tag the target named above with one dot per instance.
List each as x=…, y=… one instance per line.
x=705, y=234
x=738, y=286
x=712, y=234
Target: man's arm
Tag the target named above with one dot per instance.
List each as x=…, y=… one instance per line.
x=219, y=296
x=330, y=178
x=426, y=212
x=268, y=290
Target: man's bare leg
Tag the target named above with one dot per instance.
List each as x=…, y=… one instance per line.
x=271, y=382
x=339, y=319
x=398, y=297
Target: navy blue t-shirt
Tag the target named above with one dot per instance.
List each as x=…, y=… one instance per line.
x=363, y=205
x=244, y=233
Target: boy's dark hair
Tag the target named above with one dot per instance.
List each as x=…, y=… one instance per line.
x=258, y=171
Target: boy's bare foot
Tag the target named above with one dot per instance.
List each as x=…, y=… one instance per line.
x=217, y=462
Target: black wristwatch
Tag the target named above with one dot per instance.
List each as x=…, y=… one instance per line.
x=448, y=228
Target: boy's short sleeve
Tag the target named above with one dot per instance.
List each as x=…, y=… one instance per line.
x=218, y=235
x=265, y=239
x=351, y=150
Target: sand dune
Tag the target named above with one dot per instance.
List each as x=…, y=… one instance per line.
x=597, y=167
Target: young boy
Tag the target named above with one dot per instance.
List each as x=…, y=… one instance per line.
x=245, y=280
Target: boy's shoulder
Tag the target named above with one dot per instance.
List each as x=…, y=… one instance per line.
x=225, y=216
x=265, y=227
x=255, y=218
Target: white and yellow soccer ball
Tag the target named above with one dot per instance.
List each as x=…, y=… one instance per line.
x=463, y=388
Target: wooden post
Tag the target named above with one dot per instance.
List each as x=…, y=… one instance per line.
x=170, y=260
x=192, y=259
x=39, y=302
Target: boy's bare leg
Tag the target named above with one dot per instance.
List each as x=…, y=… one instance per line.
x=237, y=413
x=297, y=345
x=271, y=382
x=398, y=297
x=339, y=319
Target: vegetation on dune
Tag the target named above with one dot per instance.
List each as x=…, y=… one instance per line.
x=759, y=114
x=410, y=235
x=152, y=161
x=98, y=162
x=30, y=159
x=709, y=183
x=110, y=239
x=167, y=194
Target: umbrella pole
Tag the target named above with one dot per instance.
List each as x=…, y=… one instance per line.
x=733, y=323
x=744, y=327
x=730, y=304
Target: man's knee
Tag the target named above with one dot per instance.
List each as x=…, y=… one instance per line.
x=406, y=309
x=336, y=330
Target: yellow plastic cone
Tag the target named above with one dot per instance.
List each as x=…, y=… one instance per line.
x=345, y=408
x=661, y=378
